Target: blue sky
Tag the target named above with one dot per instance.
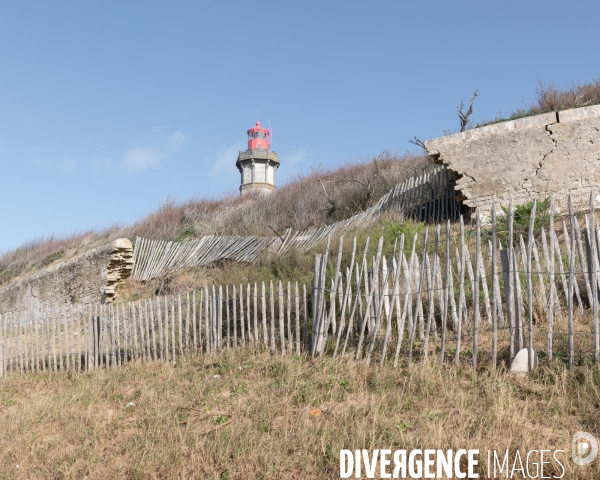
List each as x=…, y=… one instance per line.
x=109, y=108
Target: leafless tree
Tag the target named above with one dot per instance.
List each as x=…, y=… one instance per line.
x=464, y=116
x=418, y=143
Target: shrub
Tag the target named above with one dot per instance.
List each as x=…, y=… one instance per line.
x=521, y=220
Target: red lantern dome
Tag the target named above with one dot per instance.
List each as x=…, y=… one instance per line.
x=259, y=137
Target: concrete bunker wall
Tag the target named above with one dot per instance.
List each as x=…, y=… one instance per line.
x=87, y=278
x=555, y=154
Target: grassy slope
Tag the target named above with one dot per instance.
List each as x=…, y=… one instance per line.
x=313, y=200
x=64, y=425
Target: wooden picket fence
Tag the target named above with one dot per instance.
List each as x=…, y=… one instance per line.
x=427, y=197
x=461, y=294
x=438, y=293
x=85, y=337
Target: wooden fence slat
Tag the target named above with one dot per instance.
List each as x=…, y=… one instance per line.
x=476, y=289
x=255, y=306
x=180, y=326
x=297, y=311
x=495, y=293
x=429, y=275
x=173, y=320
x=370, y=295
x=446, y=295
x=272, y=304
x=251, y=337
x=227, y=316
x=530, y=284
x=195, y=320
x=461, y=286
x=568, y=247
x=571, y=286
x=289, y=316
x=553, y=296
x=407, y=310
x=594, y=278
x=263, y=302
x=397, y=268
x=345, y=300
x=187, y=322
x=304, y=301
x=235, y=343
x=207, y=318
x=419, y=291
x=242, y=328
x=281, y=321
x=118, y=336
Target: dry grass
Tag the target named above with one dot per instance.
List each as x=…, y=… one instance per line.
x=552, y=99
x=43, y=251
x=253, y=421
x=307, y=201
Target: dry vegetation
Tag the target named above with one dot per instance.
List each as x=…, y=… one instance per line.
x=312, y=200
x=246, y=414
x=552, y=99
x=308, y=201
x=295, y=266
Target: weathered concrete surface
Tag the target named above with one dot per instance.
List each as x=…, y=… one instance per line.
x=534, y=157
x=86, y=278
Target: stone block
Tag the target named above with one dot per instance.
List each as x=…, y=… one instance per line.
x=520, y=363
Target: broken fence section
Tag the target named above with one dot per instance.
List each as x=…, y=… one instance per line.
x=427, y=197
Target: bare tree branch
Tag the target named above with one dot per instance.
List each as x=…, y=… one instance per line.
x=418, y=143
x=275, y=232
x=325, y=192
x=346, y=180
x=464, y=116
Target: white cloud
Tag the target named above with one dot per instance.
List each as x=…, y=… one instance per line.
x=41, y=162
x=65, y=164
x=176, y=140
x=225, y=162
x=140, y=158
x=290, y=160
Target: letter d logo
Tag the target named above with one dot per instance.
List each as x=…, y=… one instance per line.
x=585, y=448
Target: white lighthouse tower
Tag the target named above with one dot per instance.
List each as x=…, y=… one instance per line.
x=257, y=165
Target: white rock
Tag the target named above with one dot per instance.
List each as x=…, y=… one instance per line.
x=520, y=363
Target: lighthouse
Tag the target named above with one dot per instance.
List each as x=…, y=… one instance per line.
x=257, y=165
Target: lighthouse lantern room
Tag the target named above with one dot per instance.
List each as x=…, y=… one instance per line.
x=257, y=165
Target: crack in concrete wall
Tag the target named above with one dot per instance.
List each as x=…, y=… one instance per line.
x=553, y=148
x=534, y=157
